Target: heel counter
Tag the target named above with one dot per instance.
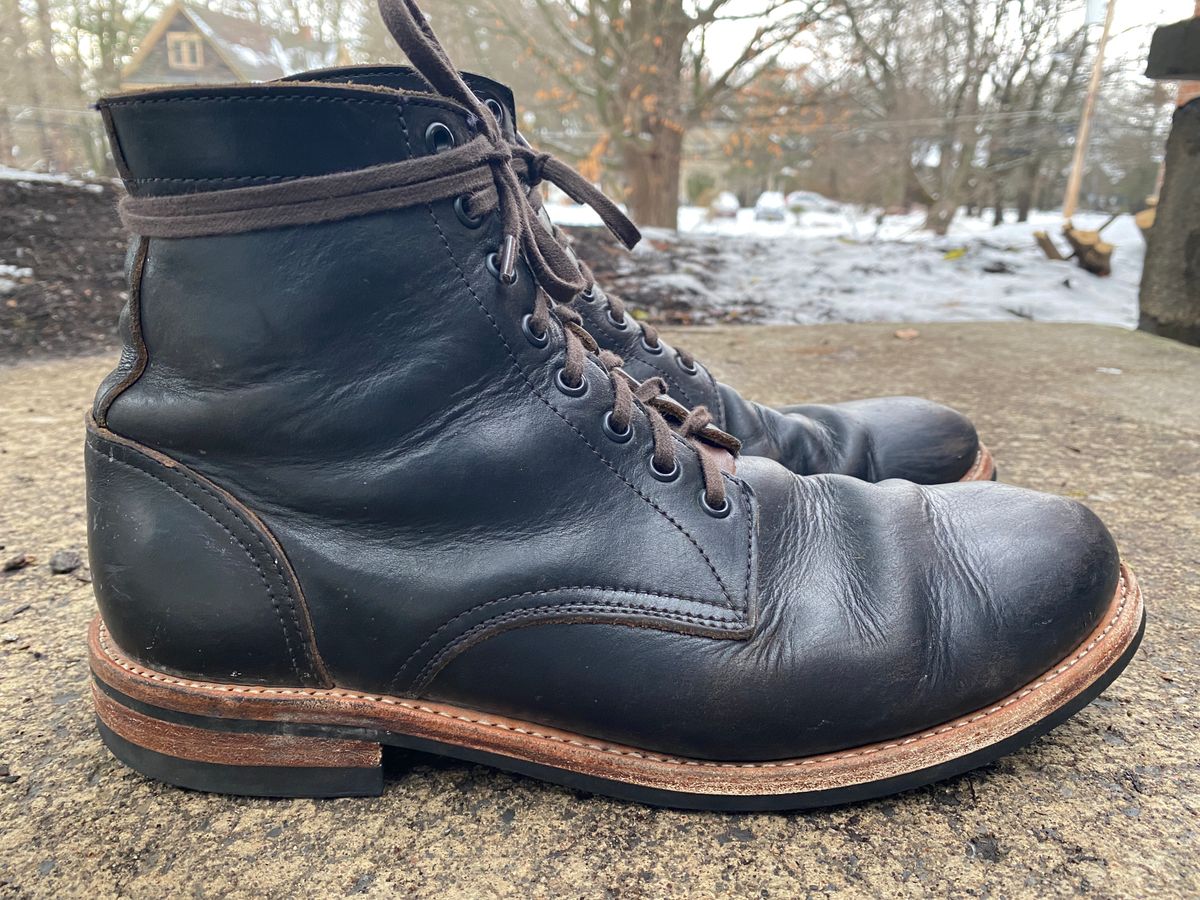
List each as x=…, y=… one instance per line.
x=187, y=579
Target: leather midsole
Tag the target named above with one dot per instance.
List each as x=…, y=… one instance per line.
x=530, y=742
x=983, y=468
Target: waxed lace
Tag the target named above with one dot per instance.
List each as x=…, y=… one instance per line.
x=490, y=174
x=553, y=264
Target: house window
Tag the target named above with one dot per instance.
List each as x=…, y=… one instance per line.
x=185, y=50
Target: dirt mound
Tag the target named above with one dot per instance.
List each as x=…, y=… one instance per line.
x=62, y=285
x=62, y=250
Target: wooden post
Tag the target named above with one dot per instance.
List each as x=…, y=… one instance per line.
x=1071, y=199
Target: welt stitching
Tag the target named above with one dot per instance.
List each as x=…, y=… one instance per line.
x=537, y=393
x=440, y=660
x=568, y=587
x=249, y=553
x=285, y=693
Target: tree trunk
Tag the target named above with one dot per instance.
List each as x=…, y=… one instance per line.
x=1025, y=188
x=1170, y=294
x=1024, y=202
x=940, y=215
x=652, y=163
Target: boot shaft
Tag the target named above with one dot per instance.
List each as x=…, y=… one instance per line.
x=371, y=409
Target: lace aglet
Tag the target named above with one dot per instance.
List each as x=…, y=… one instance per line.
x=508, y=260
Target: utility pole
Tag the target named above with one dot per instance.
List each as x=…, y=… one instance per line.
x=1071, y=199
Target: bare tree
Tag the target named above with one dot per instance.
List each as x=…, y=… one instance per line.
x=645, y=70
x=1036, y=86
x=927, y=63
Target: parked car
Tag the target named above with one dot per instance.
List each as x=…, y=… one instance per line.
x=724, y=206
x=810, y=201
x=770, y=207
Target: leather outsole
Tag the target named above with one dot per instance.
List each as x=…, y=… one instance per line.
x=273, y=741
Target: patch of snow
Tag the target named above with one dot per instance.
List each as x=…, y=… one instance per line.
x=22, y=176
x=10, y=277
x=851, y=266
x=251, y=57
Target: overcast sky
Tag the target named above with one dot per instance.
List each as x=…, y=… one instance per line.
x=1133, y=23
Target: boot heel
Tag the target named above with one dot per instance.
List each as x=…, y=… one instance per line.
x=228, y=756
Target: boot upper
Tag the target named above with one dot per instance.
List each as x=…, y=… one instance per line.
x=462, y=528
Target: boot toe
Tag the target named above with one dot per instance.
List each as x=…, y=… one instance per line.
x=1037, y=573
x=942, y=602
x=901, y=437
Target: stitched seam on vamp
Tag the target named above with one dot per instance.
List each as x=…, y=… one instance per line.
x=439, y=660
x=571, y=587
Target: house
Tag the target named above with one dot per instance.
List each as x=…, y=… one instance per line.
x=191, y=45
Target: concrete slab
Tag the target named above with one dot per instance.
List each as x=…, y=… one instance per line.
x=1106, y=805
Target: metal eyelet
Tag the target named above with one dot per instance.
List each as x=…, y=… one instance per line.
x=494, y=268
x=620, y=324
x=619, y=437
x=588, y=294
x=571, y=390
x=690, y=368
x=538, y=340
x=651, y=348
x=438, y=137
x=495, y=108
x=666, y=477
x=460, y=210
x=717, y=512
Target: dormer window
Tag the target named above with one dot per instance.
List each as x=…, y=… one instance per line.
x=185, y=50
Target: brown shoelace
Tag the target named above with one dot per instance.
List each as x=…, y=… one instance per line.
x=615, y=304
x=492, y=175
x=411, y=30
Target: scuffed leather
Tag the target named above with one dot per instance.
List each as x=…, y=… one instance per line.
x=154, y=528
x=462, y=530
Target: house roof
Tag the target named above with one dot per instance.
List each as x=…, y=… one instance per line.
x=254, y=52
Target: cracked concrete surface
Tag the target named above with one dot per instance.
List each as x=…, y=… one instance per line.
x=1106, y=805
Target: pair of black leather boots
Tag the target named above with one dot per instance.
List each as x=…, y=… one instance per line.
x=370, y=472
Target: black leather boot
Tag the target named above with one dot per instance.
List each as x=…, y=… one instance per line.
x=875, y=439
x=306, y=544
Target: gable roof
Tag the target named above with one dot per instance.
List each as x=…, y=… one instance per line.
x=252, y=51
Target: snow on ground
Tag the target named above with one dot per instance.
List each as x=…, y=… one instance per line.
x=10, y=277
x=8, y=173
x=844, y=267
